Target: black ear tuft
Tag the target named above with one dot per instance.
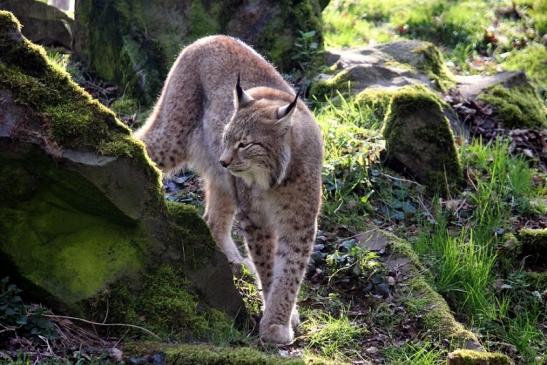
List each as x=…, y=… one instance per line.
x=239, y=90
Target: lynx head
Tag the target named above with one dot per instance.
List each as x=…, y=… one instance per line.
x=256, y=142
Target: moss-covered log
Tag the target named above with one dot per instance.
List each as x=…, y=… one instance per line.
x=134, y=42
x=82, y=215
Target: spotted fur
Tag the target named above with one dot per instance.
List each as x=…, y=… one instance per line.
x=258, y=152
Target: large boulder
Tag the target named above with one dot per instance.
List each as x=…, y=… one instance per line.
x=83, y=222
x=42, y=23
x=134, y=42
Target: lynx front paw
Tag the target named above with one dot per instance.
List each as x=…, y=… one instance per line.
x=276, y=333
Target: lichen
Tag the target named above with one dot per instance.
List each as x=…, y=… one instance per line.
x=470, y=357
x=418, y=135
x=516, y=107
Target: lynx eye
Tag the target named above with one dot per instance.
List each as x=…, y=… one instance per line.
x=241, y=145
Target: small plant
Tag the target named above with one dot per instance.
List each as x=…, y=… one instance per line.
x=23, y=320
x=352, y=265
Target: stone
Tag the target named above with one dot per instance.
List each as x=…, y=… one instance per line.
x=514, y=100
x=42, y=23
x=419, y=139
x=133, y=43
x=373, y=74
x=84, y=225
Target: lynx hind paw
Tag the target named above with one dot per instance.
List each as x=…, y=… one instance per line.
x=277, y=334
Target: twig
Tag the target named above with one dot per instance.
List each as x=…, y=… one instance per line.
x=400, y=179
x=103, y=324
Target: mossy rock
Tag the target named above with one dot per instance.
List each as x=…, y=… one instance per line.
x=470, y=357
x=82, y=211
x=42, y=23
x=133, y=43
x=534, y=241
x=423, y=56
x=419, y=139
x=417, y=296
x=353, y=71
x=203, y=354
x=513, y=98
x=516, y=107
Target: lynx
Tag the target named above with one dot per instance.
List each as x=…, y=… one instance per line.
x=258, y=150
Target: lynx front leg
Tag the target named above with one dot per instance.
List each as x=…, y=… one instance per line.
x=260, y=240
x=219, y=214
x=294, y=246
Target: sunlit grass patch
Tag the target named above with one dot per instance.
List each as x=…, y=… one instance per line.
x=332, y=337
x=416, y=354
x=351, y=133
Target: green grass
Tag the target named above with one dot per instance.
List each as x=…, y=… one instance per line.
x=415, y=354
x=329, y=336
x=351, y=133
x=464, y=263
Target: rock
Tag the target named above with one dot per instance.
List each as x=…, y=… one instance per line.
x=425, y=304
x=534, y=241
x=470, y=357
x=373, y=74
x=134, y=42
x=512, y=97
x=419, y=139
x=390, y=66
x=42, y=23
x=84, y=225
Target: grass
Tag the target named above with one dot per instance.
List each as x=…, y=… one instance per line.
x=329, y=336
x=416, y=354
x=464, y=263
x=462, y=29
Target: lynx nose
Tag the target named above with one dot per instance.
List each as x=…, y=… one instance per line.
x=224, y=163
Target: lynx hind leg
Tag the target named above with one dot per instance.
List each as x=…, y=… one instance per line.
x=260, y=240
x=219, y=214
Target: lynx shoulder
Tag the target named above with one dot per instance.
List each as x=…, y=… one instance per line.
x=259, y=152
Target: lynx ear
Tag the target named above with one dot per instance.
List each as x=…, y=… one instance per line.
x=284, y=113
x=241, y=98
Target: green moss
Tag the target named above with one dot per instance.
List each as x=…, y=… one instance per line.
x=207, y=355
x=470, y=357
x=61, y=231
x=433, y=65
x=537, y=281
x=165, y=305
x=326, y=89
x=185, y=222
x=531, y=60
x=418, y=135
x=533, y=239
x=421, y=300
x=377, y=99
x=516, y=107
x=75, y=119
